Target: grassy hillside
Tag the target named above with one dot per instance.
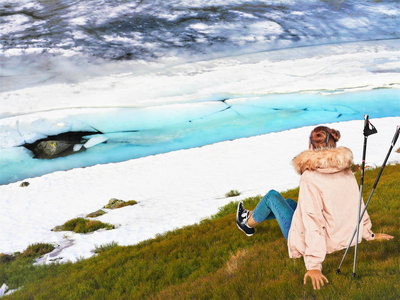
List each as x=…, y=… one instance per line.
x=214, y=260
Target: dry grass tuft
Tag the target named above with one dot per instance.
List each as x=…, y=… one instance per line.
x=81, y=225
x=37, y=250
x=357, y=167
x=235, y=260
x=127, y=203
x=232, y=193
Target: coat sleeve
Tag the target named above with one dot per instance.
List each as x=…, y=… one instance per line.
x=311, y=205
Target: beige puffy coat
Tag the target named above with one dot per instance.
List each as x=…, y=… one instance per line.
x=326, y=214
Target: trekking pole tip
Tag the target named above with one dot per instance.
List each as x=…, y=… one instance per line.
x=353, y=275
x=337, y=271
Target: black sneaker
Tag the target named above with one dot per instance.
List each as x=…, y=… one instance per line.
x=242, y=215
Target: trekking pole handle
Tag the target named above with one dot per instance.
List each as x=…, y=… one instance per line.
x=366, y=121
x=369, y=129
x=396, y=135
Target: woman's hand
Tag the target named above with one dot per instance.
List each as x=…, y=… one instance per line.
x=317, y=278
x=382, y=237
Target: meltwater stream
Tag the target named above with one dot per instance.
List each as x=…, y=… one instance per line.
x=137, y=132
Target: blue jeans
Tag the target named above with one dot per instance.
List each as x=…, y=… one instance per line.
x=274, y=206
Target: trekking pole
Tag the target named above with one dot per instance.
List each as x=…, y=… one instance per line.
x=367, y=132
x=395, y=137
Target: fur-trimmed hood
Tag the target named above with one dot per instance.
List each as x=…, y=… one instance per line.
x=338, y=159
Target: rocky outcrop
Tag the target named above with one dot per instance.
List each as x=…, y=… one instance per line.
x=113, y=203
x=63, y=144
x=53, y=149
x=116, y=203
x=96, y=214
x=24, y=184
x=58, y=228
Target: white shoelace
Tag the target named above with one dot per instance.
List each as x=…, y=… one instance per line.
x=245, y=216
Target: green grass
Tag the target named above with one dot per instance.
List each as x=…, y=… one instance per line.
x=232, y=193
x=33, y=251
x=105, y=247
x=36, y=250
x=214, y=260
x=81, y=225
x=17, y=269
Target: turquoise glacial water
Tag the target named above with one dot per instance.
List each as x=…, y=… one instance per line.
x=138, y=132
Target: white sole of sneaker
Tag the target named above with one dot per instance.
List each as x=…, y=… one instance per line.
x=244, y=231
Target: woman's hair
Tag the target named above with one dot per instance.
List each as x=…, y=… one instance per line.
x=324, y=137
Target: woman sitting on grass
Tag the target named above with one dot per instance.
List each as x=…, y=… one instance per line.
x=325, y=216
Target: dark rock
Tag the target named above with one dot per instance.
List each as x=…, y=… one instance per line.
x=113, y=203
x=116, y=203
x=58, y=228
x=53, y=149
x=58, y=145
x=24, y=184
x=95, y=214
